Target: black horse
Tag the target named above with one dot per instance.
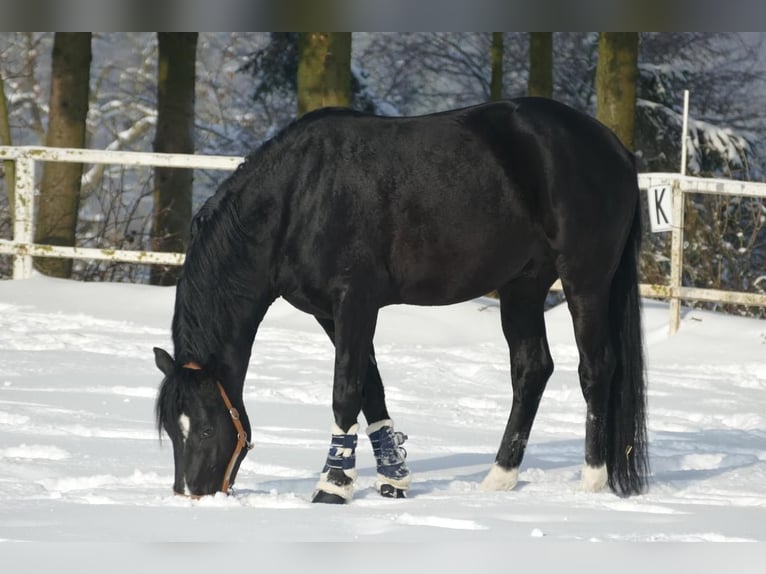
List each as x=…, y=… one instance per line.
x=343, y=213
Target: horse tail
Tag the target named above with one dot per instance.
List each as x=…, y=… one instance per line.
x=627, y=459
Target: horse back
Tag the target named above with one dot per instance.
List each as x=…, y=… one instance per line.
x=445, y=207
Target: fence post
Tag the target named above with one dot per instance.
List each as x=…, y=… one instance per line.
x=676, y=257
x=23, y=226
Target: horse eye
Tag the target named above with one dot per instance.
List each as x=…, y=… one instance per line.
x=207, y=433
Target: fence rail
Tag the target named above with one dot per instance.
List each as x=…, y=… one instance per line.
x=23, y=248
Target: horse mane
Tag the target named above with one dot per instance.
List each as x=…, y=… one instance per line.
x=216, y=285
x=168, y=401
x=215, y=281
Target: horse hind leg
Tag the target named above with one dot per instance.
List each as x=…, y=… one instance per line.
x=590, y=316
x=522, y=312
x=606, y=313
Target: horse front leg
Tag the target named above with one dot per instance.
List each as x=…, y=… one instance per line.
x=354, y=324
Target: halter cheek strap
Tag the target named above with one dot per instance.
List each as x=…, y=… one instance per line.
x=242, y=441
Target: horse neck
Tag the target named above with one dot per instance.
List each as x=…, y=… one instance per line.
x=226, y=286
x=233, y=367
x=222, y=339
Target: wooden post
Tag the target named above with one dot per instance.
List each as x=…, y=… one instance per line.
x=684, y=130
x=677, y=239
x=676, y=257
x=23, y=224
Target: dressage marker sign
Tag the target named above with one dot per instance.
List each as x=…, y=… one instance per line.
x=660, y=199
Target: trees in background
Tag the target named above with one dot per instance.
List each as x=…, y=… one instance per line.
x=324, y=70
x=273, y=69
x=9, y=172
x=725, y=237
x=59, y=197
x=616, y=75
x=116, y=201
x=727, y=91
x=417, y=73
x=540, y=64
x=402, y=74
x=496, y=82
x=174, y=134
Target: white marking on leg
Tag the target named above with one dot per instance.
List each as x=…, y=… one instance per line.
x=500, y=478
x=593, y=478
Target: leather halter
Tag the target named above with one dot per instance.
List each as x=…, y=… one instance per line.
x=242, y=441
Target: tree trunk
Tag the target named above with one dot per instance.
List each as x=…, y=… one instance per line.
x=29, y=84
x=540, y=64
x=496, y=82
x=9, y=174
x=324, y=70
x=175, y=134
x=616, y=77
x=60, y=186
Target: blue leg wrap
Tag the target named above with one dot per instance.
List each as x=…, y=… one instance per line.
x=336, y=482
x=342, y=454
x=389, y=454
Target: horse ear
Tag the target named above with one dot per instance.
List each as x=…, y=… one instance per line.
x=163, y=361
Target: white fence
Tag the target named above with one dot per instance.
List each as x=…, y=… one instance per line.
x=23, y=247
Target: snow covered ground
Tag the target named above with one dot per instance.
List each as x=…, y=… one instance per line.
x=80, y=459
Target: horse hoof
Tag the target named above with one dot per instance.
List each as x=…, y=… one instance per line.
x=328, y=498
x=388, y=491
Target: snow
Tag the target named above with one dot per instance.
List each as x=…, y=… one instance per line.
x=80, y=458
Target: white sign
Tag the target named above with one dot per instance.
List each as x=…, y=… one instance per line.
x=661, y=208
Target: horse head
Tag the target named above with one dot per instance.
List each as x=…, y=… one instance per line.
x=209, y=437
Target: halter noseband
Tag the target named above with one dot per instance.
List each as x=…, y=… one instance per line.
x=242, y=441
